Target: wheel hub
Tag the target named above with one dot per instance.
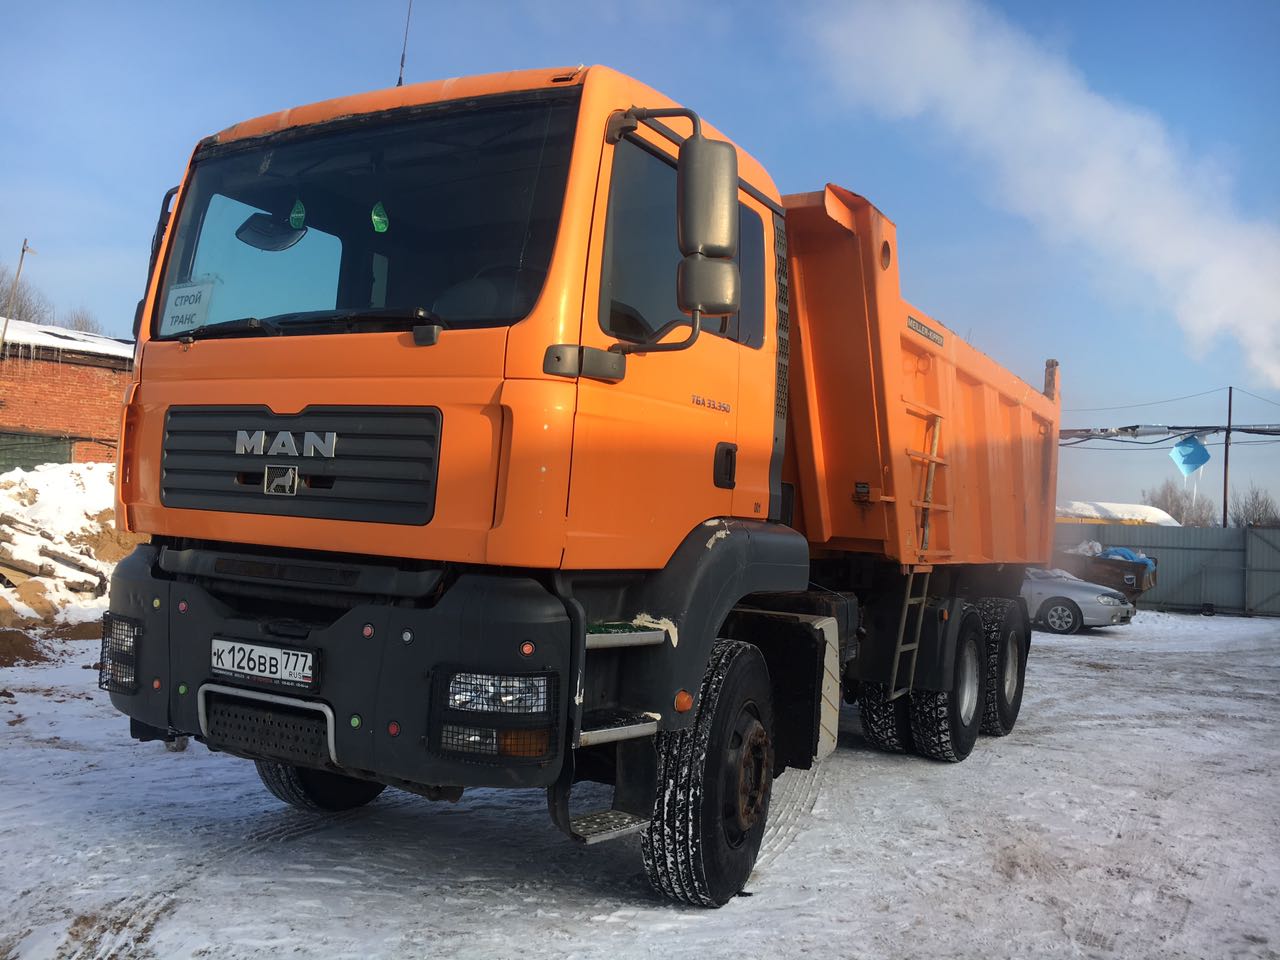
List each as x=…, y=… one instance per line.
x=748, y=774
x=1011, y=655
x=967, y=683
x=1059, y=617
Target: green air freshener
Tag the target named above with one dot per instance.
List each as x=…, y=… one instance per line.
x=379, y=218
x=298, y=215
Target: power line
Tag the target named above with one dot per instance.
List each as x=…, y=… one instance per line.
x=1256, y=397
x=1151, y=403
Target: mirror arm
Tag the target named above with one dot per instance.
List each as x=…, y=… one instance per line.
x=642, y=113
x=685, y=344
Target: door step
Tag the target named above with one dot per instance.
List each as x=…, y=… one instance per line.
x=602, y=825
x=608, y=726
x=607, y=636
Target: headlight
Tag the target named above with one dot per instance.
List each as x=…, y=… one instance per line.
x=1107, y=600
x=485, y=693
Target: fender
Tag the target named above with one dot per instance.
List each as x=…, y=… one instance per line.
x=717, y=564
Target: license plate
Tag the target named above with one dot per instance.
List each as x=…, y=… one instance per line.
x=253, y=661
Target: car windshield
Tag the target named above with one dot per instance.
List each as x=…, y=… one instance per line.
x=452, y=210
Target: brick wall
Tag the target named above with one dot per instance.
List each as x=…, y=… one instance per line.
x=58, y=396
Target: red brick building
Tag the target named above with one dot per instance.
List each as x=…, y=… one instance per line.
x=60, y=394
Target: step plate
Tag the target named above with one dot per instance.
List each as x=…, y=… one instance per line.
x=605, y=825
x=612, y=639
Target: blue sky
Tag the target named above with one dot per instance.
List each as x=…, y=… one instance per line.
x=1089, y=181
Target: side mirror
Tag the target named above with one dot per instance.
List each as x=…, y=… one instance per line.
x=707, y=280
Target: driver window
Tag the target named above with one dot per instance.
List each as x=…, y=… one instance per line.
x=638, y=286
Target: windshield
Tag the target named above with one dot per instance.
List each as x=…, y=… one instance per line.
x=452, y=211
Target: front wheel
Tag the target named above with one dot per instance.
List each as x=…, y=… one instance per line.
x=1061, y=615
x=310, y=789
x=714, y=783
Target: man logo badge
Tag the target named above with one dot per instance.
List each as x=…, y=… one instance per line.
x=280, y=481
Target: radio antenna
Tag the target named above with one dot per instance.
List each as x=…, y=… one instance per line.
x=405, y=48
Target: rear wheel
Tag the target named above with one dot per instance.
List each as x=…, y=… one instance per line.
x=886, y=724
x=310, y=789
x=1061, y=615
x=944, y=724
x=714, y=783
x=1007, y=639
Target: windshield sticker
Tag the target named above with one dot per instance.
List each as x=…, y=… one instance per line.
x=379, y=217
x=298, y=215
x=187, y=307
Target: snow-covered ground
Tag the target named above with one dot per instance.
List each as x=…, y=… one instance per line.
x=1134, y=812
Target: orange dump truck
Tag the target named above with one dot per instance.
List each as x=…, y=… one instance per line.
x=514, y=431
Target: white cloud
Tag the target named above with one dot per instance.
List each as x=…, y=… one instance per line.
x=1083, y=168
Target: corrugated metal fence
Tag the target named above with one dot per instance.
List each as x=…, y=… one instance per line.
x=1238, y=571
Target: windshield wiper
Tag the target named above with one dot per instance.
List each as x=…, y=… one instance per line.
x=232, y=328
x=390, y=316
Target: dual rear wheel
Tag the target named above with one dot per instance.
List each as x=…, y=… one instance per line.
x=988, y=671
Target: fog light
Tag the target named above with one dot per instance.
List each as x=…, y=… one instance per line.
x=484, y=693
x=462, y=739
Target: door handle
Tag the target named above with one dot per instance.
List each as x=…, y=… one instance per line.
x=724, y=473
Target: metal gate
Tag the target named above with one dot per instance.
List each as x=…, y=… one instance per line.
x=1262, y=570
x=1234, y=570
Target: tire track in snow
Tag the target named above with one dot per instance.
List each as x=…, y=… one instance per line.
x=793, y=800
x=123, y=929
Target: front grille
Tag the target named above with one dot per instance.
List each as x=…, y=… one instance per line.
x=118, y=663
x=270, y=731
x=382, y=469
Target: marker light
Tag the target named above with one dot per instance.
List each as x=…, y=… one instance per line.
x=182, y=606
x=356, y=721
x=684, y=701
x=393, y=729
x=367, y=631
x=526, y=649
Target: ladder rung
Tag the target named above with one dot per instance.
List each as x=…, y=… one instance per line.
x=940, y=507
x=926, y=457
x=921, y=408
x=915, y=600
x=907, y=648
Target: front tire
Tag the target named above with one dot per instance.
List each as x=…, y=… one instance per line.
x=1007, y=642
x=1061, y=615
x=313, y=790
x=945, y=723
x=714, y=783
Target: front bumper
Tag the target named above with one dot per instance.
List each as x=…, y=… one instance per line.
x=1100, y=615
x=382, y=667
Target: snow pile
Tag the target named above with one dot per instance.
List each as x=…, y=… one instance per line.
x=1114, y=512
x=57, y=542
x=34, y=336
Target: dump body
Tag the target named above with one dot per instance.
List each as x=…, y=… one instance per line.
x=884, y=399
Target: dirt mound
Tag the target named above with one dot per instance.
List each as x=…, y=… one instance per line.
x=107, y=544
x=19, y=647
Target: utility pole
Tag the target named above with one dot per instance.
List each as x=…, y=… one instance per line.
x=13, y=290
x=1226, y=456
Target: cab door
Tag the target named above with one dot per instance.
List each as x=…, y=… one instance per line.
x=656, y=453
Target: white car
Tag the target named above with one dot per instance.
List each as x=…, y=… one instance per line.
x=1063, y=603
